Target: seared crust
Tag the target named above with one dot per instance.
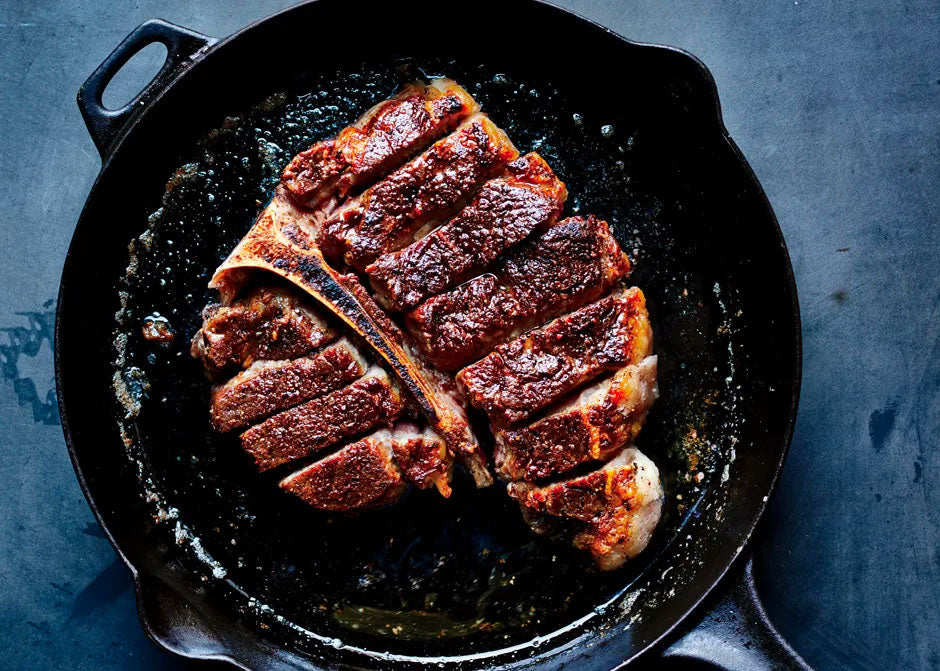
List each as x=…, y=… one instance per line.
x=270, y=386
x=539, y=367
x=525, y=199
x=573, y=263
x=431, y=186
x=268, y=323
x=367, y=403
x=593, y=426
x=615, y=507
x=386, y=135
x=360, y=475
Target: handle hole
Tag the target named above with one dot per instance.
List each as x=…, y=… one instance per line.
x=134, y=76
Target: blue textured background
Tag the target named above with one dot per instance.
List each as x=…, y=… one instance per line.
x=837, y=107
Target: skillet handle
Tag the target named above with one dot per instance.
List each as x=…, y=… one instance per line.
x=737, y=634
x=183, y=48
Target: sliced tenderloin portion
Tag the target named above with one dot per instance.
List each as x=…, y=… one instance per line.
x=269, y=386
x=614, y=509
x=593, y=426
x=371, y=401
x=375, y=470
x=276, y=244
x=539, y=367
x=525, y=199
x=268, y=323
x=430, y=187
x=573, y=263
x=360, y=475
x=385, y=136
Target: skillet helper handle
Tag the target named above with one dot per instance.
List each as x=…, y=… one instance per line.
x=183, y=48
x=737, y=635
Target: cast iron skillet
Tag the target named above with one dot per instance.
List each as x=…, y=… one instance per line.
x=227, y=569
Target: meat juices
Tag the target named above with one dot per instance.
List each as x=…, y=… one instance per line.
x=386, y=135
x=573, y=263
x=593, y=426
x=431, y=186
x=527, y=198
x=614, y=509
x=369, y=402
x=269, y=386
x=539, y=367
x=268, y=323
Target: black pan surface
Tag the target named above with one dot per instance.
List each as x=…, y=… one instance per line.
x=227, y=566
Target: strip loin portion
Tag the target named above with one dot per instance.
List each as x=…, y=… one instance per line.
x=593, y=426
x=369, y=402
x=527, y=198
x=430, y=187
x=267, y=323
x=269, y=386
x=613, y=509
x=539, y=367
x=386, y=135
x=573, y=263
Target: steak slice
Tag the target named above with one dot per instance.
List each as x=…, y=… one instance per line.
x=369, y=402
x=386, y=135
x=573, y=263
x=429, y=187
x=590, y=427
x=539, y=367
x=267, y=323
x=360, y=475
x=614, y=509
x=269, y=386
x=525, y=199
x=374, y=471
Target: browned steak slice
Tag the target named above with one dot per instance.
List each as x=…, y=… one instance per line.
x=360, y=475
x=590, y=427
x=269, y=386
x=385, y=136
x=525, y=199
x=573, y=263
x=369, y=402
x=429, y=187
x=272, y=323
x=614, y=509
x=539, y=367
x=375, y=470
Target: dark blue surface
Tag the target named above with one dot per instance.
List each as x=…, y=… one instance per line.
x=836, y=106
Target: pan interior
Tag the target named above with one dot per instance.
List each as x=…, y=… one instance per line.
x=423, y=575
